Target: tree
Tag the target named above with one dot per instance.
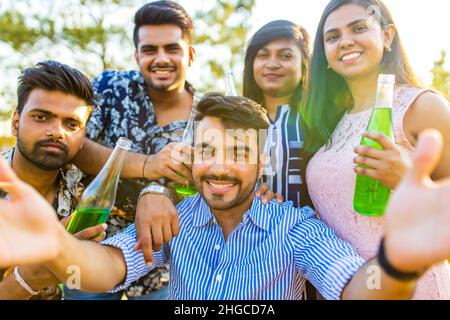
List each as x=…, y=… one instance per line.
x=223, y=27
x=441, y=77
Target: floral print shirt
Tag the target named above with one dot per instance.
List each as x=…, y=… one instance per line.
x=71, y=182
x=125, y=110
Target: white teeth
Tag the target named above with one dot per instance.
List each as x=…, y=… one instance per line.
x=350, y=56
x=221, y=186
x=162, y=71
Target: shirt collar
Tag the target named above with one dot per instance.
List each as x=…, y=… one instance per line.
x=258, y=213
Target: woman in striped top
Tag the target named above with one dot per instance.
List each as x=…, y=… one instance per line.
x=275, y=76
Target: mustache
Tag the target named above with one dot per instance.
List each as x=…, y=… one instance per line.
x=219, y=178
x=41, y=143
x=171, y=68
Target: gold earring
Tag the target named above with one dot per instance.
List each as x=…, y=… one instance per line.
x=328, y=67
x=388, y=49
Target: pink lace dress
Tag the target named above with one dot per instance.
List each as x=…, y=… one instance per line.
x=331, y=181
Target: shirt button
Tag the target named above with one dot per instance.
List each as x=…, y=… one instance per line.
x=217, y=247
x=219, y=278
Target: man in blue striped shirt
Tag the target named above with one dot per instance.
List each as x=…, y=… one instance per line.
x=230, y=246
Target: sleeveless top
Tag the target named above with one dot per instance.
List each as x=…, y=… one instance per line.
x=331, y=182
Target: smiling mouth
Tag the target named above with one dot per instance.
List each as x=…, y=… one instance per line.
x=351, y=57
x=272, y=76
x=220, y=186
x=162, y=71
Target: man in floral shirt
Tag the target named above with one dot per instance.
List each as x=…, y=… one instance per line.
x=149, y=106
x=54, y=105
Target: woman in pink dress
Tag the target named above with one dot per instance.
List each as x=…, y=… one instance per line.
x=355, y=42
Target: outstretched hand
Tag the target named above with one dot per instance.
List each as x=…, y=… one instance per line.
x=28, y=224
x=417, y=221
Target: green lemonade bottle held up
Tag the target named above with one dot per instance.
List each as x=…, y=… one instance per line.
x=99, y=197
x=371, y=196
x=187, y=190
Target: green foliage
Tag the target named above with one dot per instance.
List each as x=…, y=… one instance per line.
x=441, y=77
x=223, y=27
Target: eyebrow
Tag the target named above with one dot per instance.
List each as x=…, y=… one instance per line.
x=151, y=46
x=282, y=49
x=49, y=113
x=351, y=24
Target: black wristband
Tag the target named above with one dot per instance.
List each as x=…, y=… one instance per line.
x=391, y=271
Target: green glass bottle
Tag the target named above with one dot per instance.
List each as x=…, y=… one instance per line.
x=371, y=196
x=99, y=197
x=187, y=190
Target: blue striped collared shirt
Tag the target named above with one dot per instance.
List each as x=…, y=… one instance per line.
x=269, y=255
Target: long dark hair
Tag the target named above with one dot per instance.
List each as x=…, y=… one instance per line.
x=328, y=96
x=279, y=29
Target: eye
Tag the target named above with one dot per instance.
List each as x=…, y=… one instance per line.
x=286, y=56
x=359, y=28
x=39, y=117
x=331, y=38
x=74, y=125
x=262, y=55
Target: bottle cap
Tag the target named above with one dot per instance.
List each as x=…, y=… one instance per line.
x=124, y=143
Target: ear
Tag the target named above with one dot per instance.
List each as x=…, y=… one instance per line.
x=389, y=34
x=192, y=55
x=136, y=57
x=261, y=165
x=15, y=123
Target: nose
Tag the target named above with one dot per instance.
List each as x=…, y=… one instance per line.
x=56, y=130
x=162, y=57
x=347, y=43
x=273, y=63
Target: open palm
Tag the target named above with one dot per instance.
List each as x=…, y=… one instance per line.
x=28, y=224
x=417, y=221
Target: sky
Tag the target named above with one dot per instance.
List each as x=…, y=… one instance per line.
x=423, y=25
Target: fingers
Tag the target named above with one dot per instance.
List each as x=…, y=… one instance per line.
x=262, y=189
x=145, y=243
x=92, y=232
x=175, y=225
x=372, y=163
x=6, y=172
x=167, y=233
x=100, y=237
x=427, y=154
x=172, y=175
x=279, y=197
x=268, y=196
x=157, y=237
x=373, y=153
x=368, y=172
x=383, y=140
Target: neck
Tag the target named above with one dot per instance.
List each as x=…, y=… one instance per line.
x=167, y=99
x=364, y=92
x=230, y=218
x=41, y=180
x=271, y=103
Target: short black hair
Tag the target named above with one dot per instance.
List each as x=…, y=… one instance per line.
x=54, y=76
x=162, y=12
x=233, y=111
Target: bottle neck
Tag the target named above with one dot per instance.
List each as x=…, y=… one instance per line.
x=230, y=88
x=385, y=96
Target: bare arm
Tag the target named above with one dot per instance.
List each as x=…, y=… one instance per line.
x=431, y=111
x=91, y=158
x=371, y=283
x=100, y=268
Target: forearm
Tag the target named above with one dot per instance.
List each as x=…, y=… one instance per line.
x=37, y=277
x=10, y=289
x=371, y=283
x=93, y=156
x=92, y=266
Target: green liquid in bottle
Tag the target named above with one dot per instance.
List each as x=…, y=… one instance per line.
x=87, y=217
x=371, y=196
x=184, y=190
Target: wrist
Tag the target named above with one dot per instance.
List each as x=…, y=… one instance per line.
x=158, y=190
x=393, y=267
x=148, y=170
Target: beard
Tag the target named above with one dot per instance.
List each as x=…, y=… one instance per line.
x=44, y=159
x=216, y=202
